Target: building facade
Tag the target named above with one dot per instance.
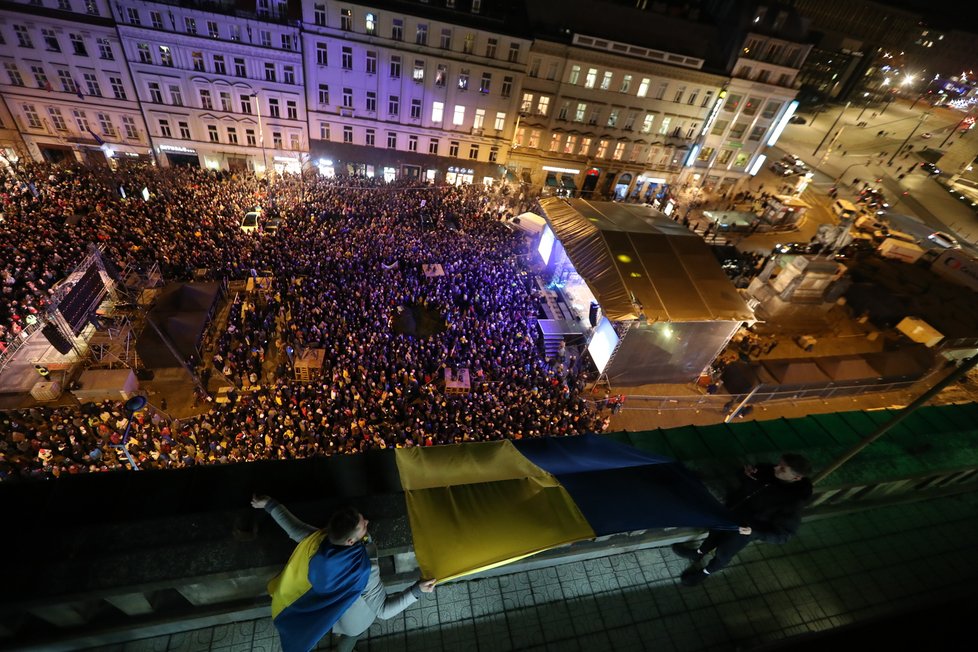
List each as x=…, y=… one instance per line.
x=66, y=82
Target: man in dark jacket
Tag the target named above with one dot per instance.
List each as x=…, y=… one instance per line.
x=768, y=504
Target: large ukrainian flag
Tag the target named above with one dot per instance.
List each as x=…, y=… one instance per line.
x=476, y=506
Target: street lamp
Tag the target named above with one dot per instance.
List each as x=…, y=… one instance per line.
x=261, y=134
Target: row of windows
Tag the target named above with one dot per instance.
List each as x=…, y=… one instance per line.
x=222, y=101
x=80, y=45
x=230, y=135
x=219, y=64
x=369, y=138
x=625, y=83
x=80, y=118
x=66, y=81
x=265, y=38
x=601, y=148
x=88, y=6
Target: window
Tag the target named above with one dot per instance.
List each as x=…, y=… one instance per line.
x=370, y=24
x=371, y=104
x=166, y=56
x=737, y=131
x=371, y=137
x=346, y=20
x=91, y=8
x=156, y=18
x=437, y=111
x=265, y=37
x=507, y=87
x=543, y=105
x=239, y=68
x=132, y=15
x=606, y=80
x=198, y=61
x=164, y=128
x=50, y=40
x=78, y=45
x=643, y=87
x=18, y=80
x=226, y=101
x=564, y=108
x=212, y=134
x=391, y=140
x=433, y=146
x=446, y=38
x=129, y=125
x=294, y=141
x=441, y=74
x=629, y=122
x=691, y=100
x=91, y=83
x=33, y=119
x=534, y=138
x=585, y=147
x=705, y=154
x=105, y=124
x=277, y=139
x=491, y=49
x=707, y=98
x=67, y=83
x=273, y=107
x=678, y=97
x=118, y=88
x=155, y=93
x=397, y=29
x=534, y=70
x=319, y=15
x=485, y=83
x=288, y=74
x=580, y=112
x=269, y=71
x=664, y=125
x=751, y=106
x=291, y=110
x=756, y=133
x=554, y=142
x=421, y=35
x=57, y=119
x=647, y=123
x=661, y=92
x=348, y=98
x=64, y=5
x=459, y=117
x=418, y=73
x=176, y=97
x=732, y=103
x=619, y=150
x=23, y=38
x=412, y=143
x=519, y=137
x=479, y=119
x=415, y=109
x=105, y=49
x=493, y=154
x=771, y=109
x=212, y=30
x=40, y=76
x=590, y=78
x=453, y=148
x=527, y=104
x=473, y=152
x=395, y=67
x=144, y=56
x=592, y=118
x=469, y=44
x=346, y=59
x=393, y=105
x=500, y=123
x=250, y=139
x=575, y=75
x=190, y=24
x=232, y=135
x=613, y=117
x=476, y=6
x=463, y=79
x=602, y=149
x=287, y=41
x=570, y=144
x=246, y=104
x=322, y=56
x=514, y=52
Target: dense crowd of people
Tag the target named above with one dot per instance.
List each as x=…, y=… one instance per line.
x=349, y=268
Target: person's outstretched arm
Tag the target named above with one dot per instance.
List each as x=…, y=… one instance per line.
x=293, y=526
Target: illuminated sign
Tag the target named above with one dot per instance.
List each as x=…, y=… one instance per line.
x=692, y=155
x=178, y=149
x=713, y=112
x=549, y=168
x=757, y=164
x=782, y=123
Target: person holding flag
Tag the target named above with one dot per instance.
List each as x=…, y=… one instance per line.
x=331, y=581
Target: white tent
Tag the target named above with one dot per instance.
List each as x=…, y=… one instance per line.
x=529, y=222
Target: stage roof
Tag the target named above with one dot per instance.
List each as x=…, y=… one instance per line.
x=625, y=250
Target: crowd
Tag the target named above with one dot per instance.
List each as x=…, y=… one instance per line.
x=347, y=262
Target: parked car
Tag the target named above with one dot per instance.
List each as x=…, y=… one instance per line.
x=797, y=120
x=930, y=168
x=273, y=224
x=942, y=239
x=926, y=135
x=249, y=223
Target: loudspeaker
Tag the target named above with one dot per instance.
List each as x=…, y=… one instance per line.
x=56, y=339
x=592, y=314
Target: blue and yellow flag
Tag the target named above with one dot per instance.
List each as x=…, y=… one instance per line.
x=473, y=507
x=317, y=585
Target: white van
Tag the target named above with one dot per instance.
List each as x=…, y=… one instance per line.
x=249, y=223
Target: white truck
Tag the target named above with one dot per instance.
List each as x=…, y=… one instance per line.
x=958, y=267
x=896, y=249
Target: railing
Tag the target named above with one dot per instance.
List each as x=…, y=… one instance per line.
x=8, y=354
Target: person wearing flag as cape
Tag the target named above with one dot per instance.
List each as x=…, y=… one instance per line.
x=331, y=581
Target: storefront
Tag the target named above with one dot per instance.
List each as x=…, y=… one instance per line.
x=56, y=153
x=180, y=156
x=287, y=165
x=457, y=176
x=590, y=181
x=621, y=187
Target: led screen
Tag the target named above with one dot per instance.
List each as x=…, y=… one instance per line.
x=546, y=246
x=602, y=343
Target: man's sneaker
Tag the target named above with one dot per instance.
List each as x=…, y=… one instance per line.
x=693, y=576
x=686, y=552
